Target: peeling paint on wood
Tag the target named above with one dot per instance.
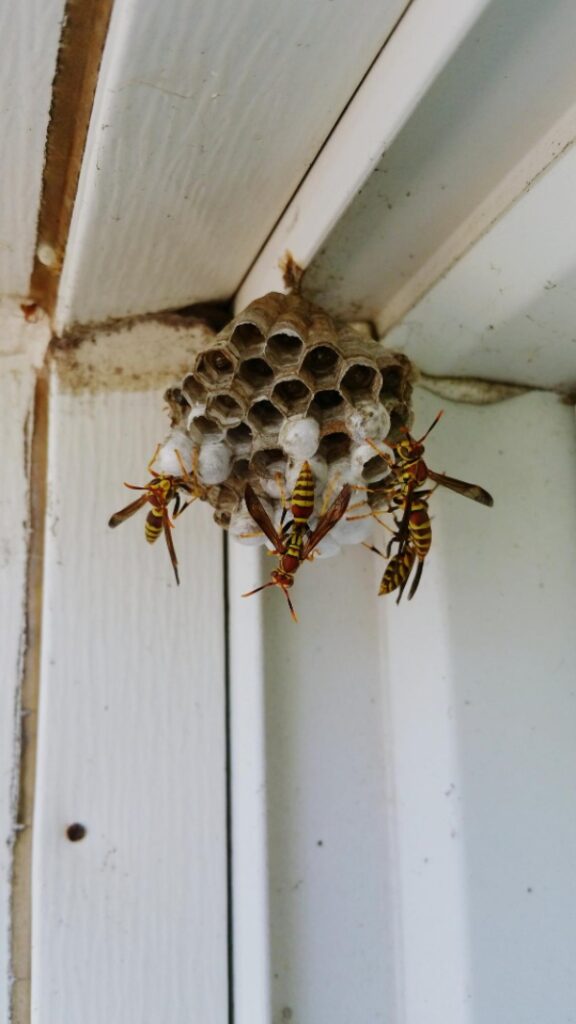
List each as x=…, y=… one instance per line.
x=30, y=34
x=83, y=33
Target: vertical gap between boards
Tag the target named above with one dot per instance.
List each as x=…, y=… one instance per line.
x=228, y=755
x=27, y=710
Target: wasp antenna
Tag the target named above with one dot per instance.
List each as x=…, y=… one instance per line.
x=258, y=589
x=431, y=427
x=291, y=606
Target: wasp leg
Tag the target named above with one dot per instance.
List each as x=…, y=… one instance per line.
x=153, y=460
x=170, y=544
x=371, y=547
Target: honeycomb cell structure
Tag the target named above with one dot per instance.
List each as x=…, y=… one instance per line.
x=283, y=383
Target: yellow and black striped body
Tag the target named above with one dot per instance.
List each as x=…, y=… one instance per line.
x=302, y=497
x=397, y=571
x=161, y=491
x=416, y=526
x=296, y=529
x=153, y=524
x=420, y=527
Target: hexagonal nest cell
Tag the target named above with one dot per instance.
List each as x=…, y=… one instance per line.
x=283, y=383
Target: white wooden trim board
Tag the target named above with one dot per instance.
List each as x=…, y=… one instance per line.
x=202, y=128
x=131, y=922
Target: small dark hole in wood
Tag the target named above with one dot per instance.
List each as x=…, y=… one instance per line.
x=76, y=832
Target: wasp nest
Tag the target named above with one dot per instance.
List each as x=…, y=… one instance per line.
x=281, y=384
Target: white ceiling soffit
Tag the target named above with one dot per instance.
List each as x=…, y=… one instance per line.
x=480, y=135
x=507, y=309
x=495, y=116
x=205, y=120
x=29, y=36
x=415, y=55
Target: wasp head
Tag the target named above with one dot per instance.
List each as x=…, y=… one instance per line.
x=282, y=579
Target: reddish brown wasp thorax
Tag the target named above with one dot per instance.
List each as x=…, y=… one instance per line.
x=296, y=542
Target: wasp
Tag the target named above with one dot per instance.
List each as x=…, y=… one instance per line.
x=296, y=540
x=159, y=492
x=414, y=539
x=410, y=471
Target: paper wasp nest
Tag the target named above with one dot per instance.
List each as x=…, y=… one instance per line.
x=283, y=383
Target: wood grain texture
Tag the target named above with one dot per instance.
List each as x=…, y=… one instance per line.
x=205, y=120
x=16, y=400
x=419, y=760
x=29, y=34
x=131, y=922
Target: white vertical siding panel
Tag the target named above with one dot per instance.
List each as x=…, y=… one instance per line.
x=249, y=796
x=130, y=924
x=29, y=35
x=328, y=890
x=420, y=759
x=16, y=395
x=480, y=669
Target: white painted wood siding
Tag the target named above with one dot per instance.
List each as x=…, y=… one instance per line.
x=418, y=759
x=401, y=840
x=29, y=35
x=205, y=121
x=129, y=924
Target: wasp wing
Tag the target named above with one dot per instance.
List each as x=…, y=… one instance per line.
x=327, y=521
x=473, y=491
x=125, y=513
x=415, y=580
x=261, y=517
